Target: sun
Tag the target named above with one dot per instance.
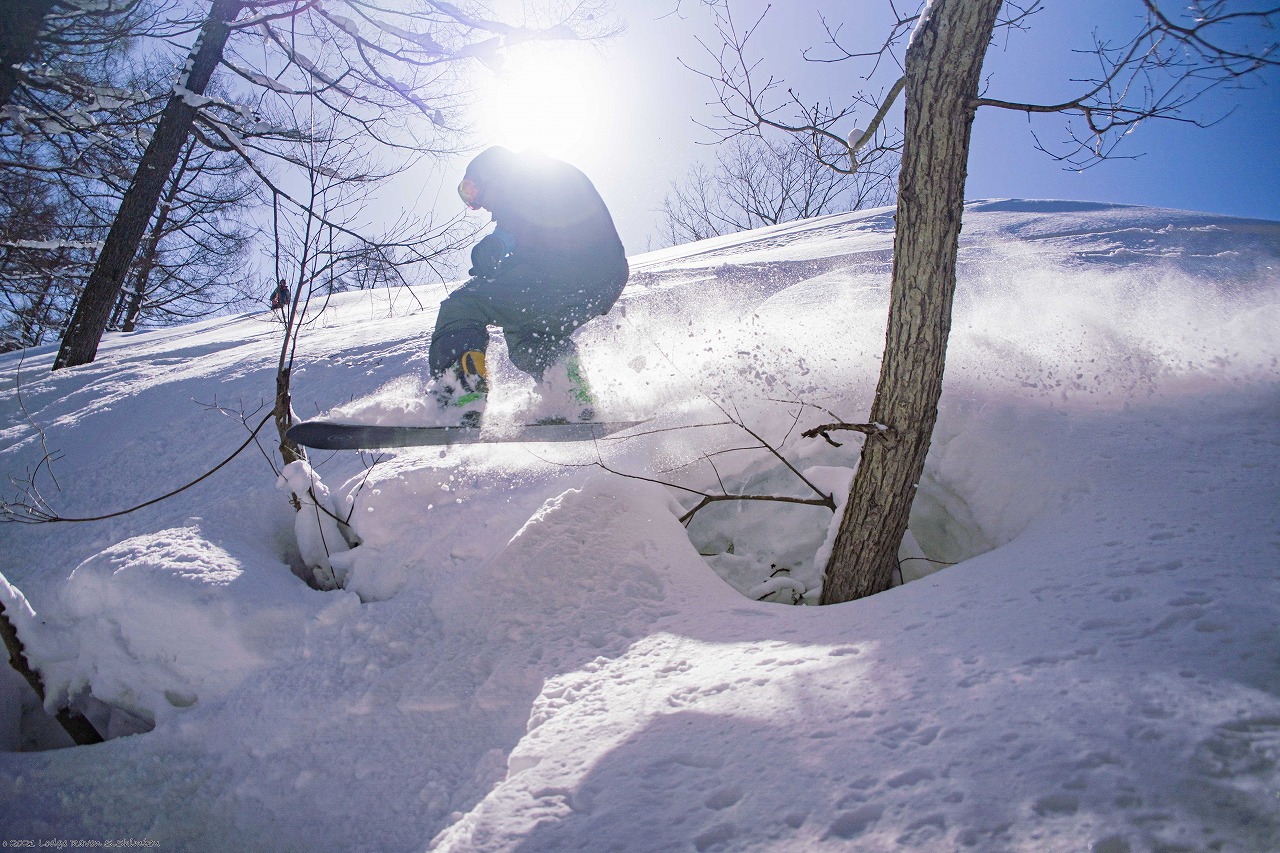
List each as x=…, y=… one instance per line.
x=551, y=98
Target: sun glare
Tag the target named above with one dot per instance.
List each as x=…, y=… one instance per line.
x=551, y=99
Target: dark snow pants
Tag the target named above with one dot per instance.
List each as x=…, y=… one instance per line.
x=537, y=306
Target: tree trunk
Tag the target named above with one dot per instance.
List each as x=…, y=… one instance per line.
x=943, y=67
x=131, y=305
x=22, y=22
x=93, y=311
x=118, y=311
x=74, y=723
x=33, y=319
x=289, y=451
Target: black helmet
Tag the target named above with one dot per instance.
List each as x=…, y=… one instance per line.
x=485, y=168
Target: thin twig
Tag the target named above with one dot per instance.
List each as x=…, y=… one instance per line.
x=48, y=456
x=39, y=512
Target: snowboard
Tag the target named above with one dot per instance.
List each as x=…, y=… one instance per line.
x=324, y=435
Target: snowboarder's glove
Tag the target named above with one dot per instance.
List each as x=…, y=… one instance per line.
x=487, y=256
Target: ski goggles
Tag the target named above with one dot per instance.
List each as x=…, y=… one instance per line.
x=469, y=192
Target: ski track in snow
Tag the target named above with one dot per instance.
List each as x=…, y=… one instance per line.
x=531, y=654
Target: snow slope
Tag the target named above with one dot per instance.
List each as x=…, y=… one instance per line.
x=531, y=652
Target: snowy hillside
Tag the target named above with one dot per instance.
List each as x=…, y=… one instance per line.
x=531, y=652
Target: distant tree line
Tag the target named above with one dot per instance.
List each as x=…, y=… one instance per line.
x=756, y=180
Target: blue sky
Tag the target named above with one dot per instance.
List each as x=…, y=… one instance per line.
x=639, y=107
x=1231, y=167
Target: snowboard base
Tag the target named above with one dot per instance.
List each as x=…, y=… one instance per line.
x=325, y=435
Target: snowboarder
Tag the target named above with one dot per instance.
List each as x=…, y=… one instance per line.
x=553, y=262
x=281, y=297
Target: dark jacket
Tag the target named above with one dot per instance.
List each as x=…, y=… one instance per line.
x=280, y=298
x=549, y=210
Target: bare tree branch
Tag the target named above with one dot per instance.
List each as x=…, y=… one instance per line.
x=32, y=508
x=879, y=431
x=1160, y=72
x=752, y=103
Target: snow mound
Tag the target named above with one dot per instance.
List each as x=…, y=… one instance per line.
x=161, y=621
